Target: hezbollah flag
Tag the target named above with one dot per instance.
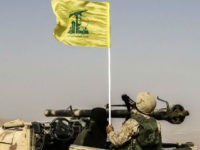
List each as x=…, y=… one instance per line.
x=82, y=23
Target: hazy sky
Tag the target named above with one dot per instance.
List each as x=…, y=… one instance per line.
x=155, y=47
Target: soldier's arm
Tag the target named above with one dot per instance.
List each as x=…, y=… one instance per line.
x=129, y=129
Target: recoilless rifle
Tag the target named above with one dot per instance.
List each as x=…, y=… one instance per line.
x=174, y=114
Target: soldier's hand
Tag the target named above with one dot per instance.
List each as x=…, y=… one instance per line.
x=109, y=128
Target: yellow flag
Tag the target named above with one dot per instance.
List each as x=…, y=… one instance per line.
x=82, y=23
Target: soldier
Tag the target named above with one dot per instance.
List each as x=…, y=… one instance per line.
x=140, y=131
x=95, y=134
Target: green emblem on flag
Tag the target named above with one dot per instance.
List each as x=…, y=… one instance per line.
x=76, y=24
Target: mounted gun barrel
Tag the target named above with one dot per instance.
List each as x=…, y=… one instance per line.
x=175, y=114
x=82, y=113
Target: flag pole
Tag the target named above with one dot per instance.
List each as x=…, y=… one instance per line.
x=109, y=85
x=109, y=78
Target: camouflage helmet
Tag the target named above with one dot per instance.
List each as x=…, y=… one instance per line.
x=145, y=102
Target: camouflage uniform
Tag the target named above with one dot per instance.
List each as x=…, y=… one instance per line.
x=127, y=137
x=129, y=129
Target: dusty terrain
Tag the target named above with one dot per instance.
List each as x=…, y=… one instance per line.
x=3, y=120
